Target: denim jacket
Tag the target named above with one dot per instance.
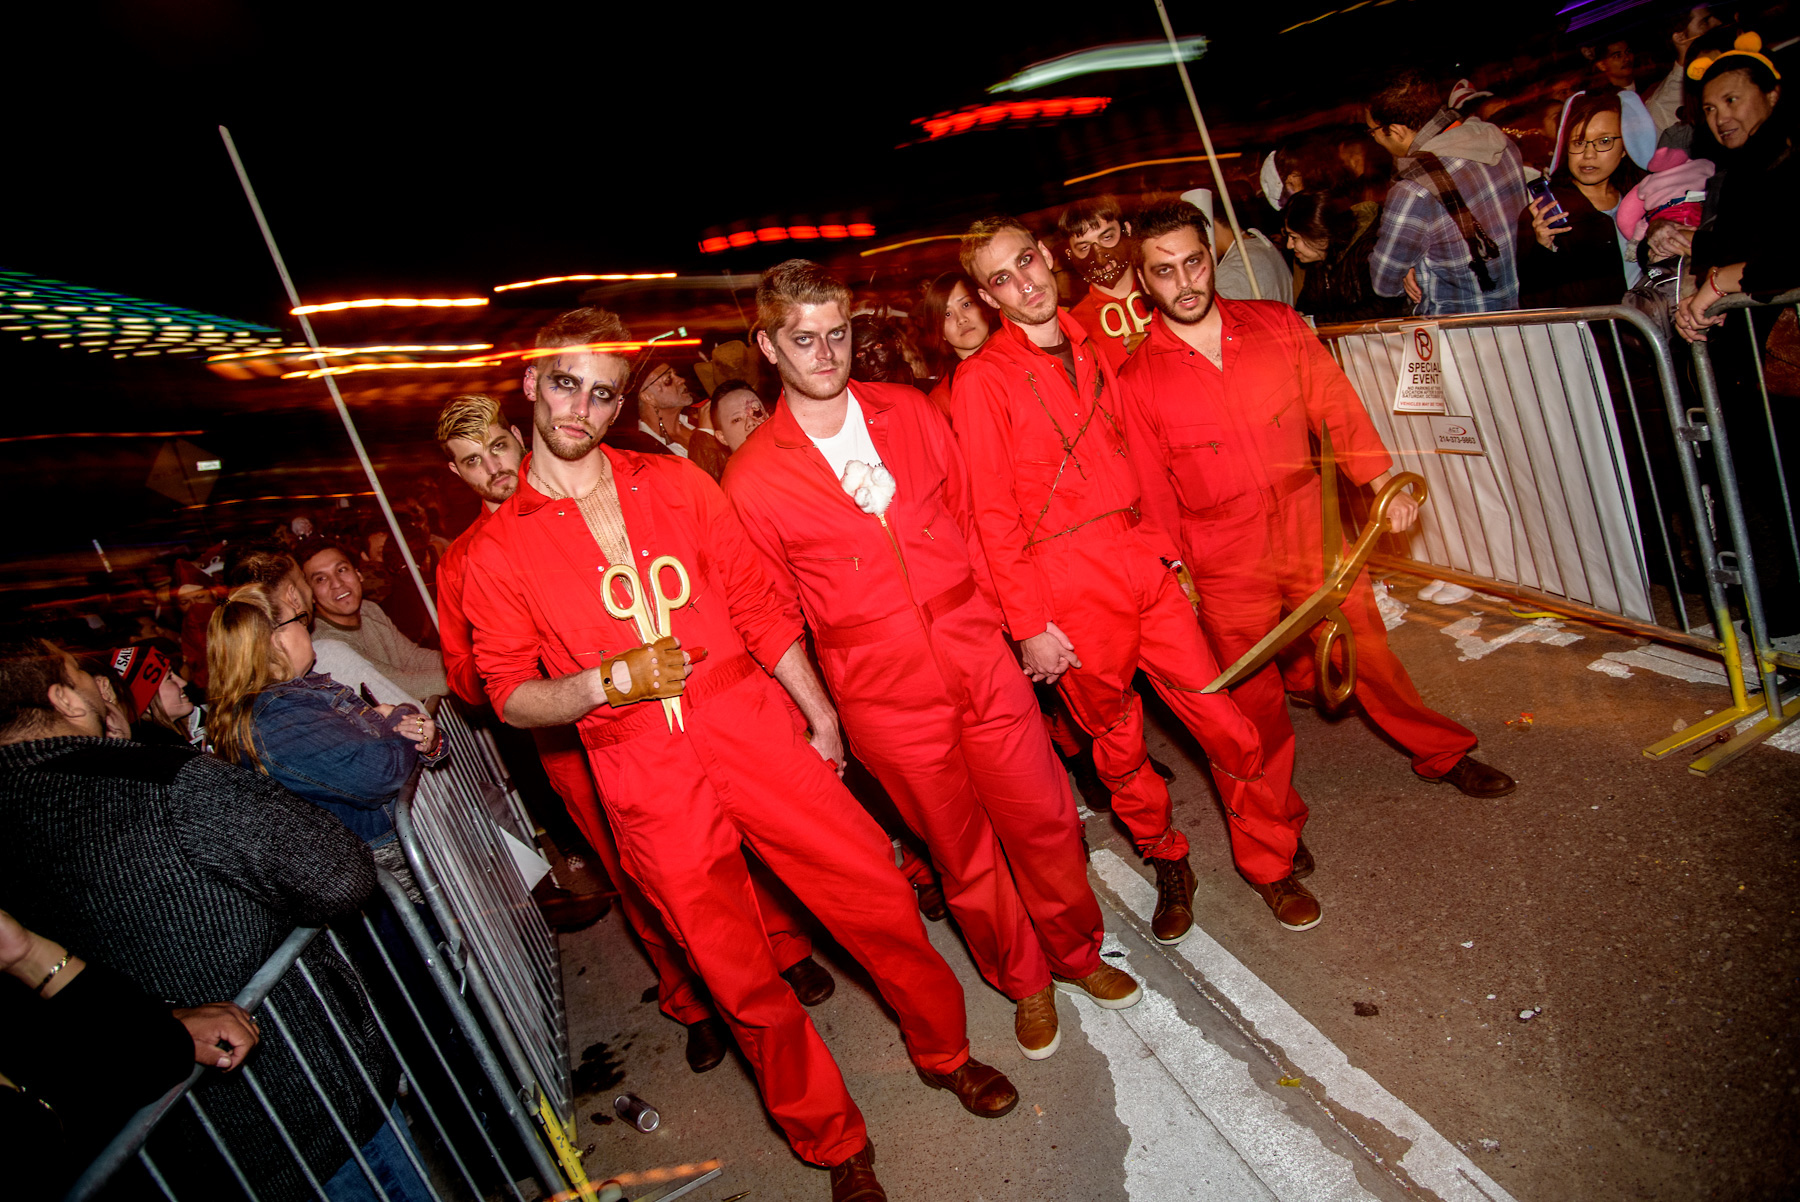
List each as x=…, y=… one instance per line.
x=321, y=741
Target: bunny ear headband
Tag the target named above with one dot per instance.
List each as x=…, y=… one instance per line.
x=1748, y=45
x=1635, y=124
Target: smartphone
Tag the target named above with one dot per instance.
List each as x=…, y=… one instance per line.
x=1540, y=189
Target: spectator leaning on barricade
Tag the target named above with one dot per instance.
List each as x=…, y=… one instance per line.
x=185, y=874
x=336, y=658
x=344, y=614
x=1331, y=239
x=270, y=711
x=82, y=1047
x=1448, y=225
x=1743, y=245
x=1578, y=257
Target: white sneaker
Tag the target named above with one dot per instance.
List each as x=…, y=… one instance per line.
x=1430, y=591
x=1452, y=594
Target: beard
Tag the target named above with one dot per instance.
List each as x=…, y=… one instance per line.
x=561, y=446
x=499, y=486
x=814, y=388
x=1187, y=319
x=1106, y=267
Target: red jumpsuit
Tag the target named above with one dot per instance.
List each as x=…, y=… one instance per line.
x=1112, y=323
x=1056, y=501
x=1227, y=461
x=682, y=802
x=932, y=700
x=679, y=992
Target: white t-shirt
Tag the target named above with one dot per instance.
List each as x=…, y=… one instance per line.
x=850, y=442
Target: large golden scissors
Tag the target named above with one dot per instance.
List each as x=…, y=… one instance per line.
x=1341, y=571
x=650, y=628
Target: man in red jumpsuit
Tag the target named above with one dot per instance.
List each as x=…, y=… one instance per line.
x=1102, y=251
x=693, y=761
x=1086, y=586
x=1227, y=394
x=485, y=453
x=892, y=585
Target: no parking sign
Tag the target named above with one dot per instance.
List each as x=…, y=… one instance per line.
x=1420, y=384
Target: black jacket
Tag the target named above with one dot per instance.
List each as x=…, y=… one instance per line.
x=1749, y=213
x=185, y=873
x=1584, y=269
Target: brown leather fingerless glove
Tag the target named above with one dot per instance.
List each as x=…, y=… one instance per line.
x=658, y=672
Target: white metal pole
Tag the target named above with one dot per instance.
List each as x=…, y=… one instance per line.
x=337, y=398
x=1206, y=141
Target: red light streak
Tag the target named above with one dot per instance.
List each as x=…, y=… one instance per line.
x=944, y=125
x=568, y=279
x=783, y=233
x=392, y=303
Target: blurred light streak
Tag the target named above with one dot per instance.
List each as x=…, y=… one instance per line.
x=341, y=352
x=782, y=233
x=461, y=302
x=1192, y=158
x=880, y=250
x=305, y=496
x=948, y=124
x=493, y=360
x=105, y=434
x=1115, y=56
x=575, y=279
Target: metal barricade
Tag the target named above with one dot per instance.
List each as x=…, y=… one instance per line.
x=1738, y=567
x=1549, y=513
x=472, y=885
x=468, y=1168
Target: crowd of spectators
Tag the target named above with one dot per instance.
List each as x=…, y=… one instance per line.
x=244, y=715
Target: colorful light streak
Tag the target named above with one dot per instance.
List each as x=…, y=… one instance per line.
x=608, y=276
x=783, y=233
x=944, y=125
x=76, y=317
x=344, y=352
x=1115, y=56
x=461, y=302
x=495, y=359
x=881, y=250
x=1191, y=158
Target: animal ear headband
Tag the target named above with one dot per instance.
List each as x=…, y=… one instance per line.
x=1748, y=45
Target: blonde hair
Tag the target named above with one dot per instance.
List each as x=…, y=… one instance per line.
x=241, y=661
x=983, y=231
x=468, y=416
x=786, y=286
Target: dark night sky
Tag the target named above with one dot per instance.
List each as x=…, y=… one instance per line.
x=415, y=146
x=425, y=150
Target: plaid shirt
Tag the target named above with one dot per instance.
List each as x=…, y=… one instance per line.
x=1417, y=231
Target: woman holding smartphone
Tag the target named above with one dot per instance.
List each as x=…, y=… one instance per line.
x=1570, y=250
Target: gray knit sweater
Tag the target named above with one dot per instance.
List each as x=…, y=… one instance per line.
x=185, y=873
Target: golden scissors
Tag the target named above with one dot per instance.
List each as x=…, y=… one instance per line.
x=1340, y=575
x=649, y=629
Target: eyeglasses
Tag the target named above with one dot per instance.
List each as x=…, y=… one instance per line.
x=303, y=617
x=1599, y=145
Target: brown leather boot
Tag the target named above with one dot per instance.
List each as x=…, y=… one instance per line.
x=1106, y=987
x=810, y=980
x=1294, y=906
x=931, y=902
x=707, y=1042
x=1303, y=861
x=1035, y=1026
x=854, y=1179
x=1174, y=916
x=1476, y=779
x=983, y=1091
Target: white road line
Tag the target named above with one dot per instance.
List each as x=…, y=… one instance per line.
x=1201, y=1128
x=1431, y=1161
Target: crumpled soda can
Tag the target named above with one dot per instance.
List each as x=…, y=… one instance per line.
x=637, y=1112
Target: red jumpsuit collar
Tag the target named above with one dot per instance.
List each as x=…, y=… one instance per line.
x=528, y=500
x=1163, y=339
x=786, y=427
